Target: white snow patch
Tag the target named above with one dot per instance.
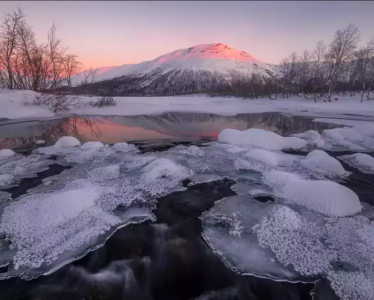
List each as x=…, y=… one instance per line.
x=92, y=145
x=67, y=142
x=40, y=142
x=6, y=153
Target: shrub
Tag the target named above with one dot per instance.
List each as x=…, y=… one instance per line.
x=54, y=102
x=104, y=102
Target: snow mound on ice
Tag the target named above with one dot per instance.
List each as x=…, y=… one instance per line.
x=67, y=142
x=308, y=135
x=341, y=134
x=192, y=151
x=364, y=129
x=319, y=161
x=326, y=197
x=124, y=147
x=354, y=139
x=40, y=142
x=162, y=174
x=278, y=179
x=92, y=145
x=6, y=153
x=312, y=137
x=264, y=156
x=259, y=138
x=361, y=161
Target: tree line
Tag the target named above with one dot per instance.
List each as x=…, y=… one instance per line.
x=338, y=68
x=27, y=64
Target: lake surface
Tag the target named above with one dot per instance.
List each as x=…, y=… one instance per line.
x=165, y=127
x=166, y=259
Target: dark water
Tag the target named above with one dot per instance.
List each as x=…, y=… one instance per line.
x=167, y=259
x=164, y=128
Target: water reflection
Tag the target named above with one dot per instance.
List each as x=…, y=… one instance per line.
x=170, y=126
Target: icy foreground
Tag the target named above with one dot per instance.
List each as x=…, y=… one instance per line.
x=313, y=223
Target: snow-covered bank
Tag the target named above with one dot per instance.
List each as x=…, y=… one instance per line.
x=11, y=106
x=346, y=107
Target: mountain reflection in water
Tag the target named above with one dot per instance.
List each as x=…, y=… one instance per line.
x=170, y=126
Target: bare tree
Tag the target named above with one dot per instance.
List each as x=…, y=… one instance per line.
x=88, y=76
x=364, y=60
x=304, y=70
x=8, y=45
x=26, y=64
x=318, y=70
x=72, y=67
x=340, y=52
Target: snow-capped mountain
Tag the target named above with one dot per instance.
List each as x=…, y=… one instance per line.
x=187, y=70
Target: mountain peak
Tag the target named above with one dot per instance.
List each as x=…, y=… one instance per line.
x=210, y=51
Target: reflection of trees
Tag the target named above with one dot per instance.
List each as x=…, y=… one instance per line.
x=179, y=125
x=285, y=125
x=53, y=130
x=194, y=124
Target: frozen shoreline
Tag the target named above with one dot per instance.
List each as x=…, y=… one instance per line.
x=338, y=112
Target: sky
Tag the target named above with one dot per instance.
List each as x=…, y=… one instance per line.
x=106, y=33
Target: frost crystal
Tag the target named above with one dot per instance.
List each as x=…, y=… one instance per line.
x=294, y=241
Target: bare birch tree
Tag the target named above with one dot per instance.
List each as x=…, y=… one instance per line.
x=341, y=52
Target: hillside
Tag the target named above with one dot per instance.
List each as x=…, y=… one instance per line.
x=197, y=69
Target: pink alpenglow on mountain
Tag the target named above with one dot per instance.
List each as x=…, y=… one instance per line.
x=217, y=59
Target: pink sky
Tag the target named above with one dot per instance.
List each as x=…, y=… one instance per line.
x=115, y=33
